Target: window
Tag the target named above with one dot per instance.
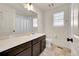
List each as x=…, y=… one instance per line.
x=58, y=19
x=35, y=22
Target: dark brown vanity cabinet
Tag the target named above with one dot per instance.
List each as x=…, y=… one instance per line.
x=31, y=48
x=16, y=50
x=39, y=45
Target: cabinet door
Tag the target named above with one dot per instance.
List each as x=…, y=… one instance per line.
x=36, y=49
x=43, y=44
x=26, y=52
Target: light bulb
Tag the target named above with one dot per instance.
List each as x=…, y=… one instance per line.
x=28, y=6
x=25, y=6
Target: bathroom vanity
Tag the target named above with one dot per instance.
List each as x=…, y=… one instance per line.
x=31, y=45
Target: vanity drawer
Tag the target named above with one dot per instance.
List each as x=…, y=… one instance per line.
x=38, y=39
x=43, y=37
x=15, y=50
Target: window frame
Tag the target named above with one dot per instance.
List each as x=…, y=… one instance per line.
x=54, y=21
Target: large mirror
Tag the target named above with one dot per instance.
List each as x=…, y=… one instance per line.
x=16, y=19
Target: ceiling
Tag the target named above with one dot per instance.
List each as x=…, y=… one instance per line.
x=45, y=6
x=20, y=9
x=42, y=6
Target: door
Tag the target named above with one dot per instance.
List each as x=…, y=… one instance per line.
x=74, y=30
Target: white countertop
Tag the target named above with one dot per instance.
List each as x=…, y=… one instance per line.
x=14, y=41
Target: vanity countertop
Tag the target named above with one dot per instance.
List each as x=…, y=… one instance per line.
x=13, y=41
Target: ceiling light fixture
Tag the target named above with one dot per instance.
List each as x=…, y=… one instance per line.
x=51, y=5
x=29, y=6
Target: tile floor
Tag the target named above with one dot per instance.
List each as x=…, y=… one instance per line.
x=56, y=51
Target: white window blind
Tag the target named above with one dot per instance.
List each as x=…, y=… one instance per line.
x=58, y=19
x=23, y=24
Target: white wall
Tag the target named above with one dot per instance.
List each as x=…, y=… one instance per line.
x=7, y=23
x=40, y=15
x=58, y=34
